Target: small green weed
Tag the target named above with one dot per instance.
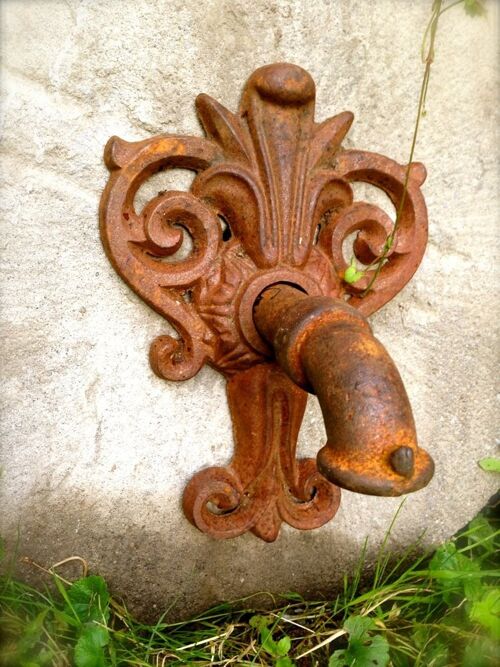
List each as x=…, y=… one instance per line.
x=439, y=610
x=44, y=624
x=276, y=649
x=366, y=646
x=490, y=464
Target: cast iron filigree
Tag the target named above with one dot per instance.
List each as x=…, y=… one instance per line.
x=271, y=203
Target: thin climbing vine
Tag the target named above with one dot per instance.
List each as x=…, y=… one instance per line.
x=474, y=8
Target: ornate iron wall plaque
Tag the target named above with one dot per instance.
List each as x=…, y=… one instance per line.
x=268, y=214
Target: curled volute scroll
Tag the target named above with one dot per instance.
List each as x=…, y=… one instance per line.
x=271, y=203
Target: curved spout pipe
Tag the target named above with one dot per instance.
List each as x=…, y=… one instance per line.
x=327, y=348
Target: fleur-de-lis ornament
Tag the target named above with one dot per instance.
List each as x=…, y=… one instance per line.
x=271, y=203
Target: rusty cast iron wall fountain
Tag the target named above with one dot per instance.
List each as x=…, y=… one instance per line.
x=262, y=298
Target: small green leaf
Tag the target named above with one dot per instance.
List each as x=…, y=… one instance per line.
x=269, y=645
x=365, y=648
x=450, y=569
x=267, y=641
x=283, y=646
x=490, y=464
x=351, y=274
x=338, y=659
x=259, y=622
x=89, y=599
x=285, y=661
x=89, y=649
x=359, y=626
x=486, y=611
x=474, y=8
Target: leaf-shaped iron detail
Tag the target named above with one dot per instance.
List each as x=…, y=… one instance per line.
x=224, y=128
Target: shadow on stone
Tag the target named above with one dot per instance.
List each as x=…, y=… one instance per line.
x=177, y=569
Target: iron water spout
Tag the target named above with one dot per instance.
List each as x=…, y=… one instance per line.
x=327, y=348
x=262, y=297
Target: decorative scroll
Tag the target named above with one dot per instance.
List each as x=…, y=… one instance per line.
x=263, y=485
x=374, y=226
x=271, y=202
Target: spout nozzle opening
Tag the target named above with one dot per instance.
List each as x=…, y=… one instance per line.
x=375, y=474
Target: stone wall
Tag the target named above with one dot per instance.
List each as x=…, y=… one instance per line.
x=96, y=449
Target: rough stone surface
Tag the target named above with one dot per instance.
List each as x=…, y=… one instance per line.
x=96, y=450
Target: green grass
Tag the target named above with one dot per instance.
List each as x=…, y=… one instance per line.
x=436, y=610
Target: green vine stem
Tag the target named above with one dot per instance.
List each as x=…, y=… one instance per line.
x=473, y=8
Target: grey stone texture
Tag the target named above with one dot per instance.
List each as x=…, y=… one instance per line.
x=96, y=449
